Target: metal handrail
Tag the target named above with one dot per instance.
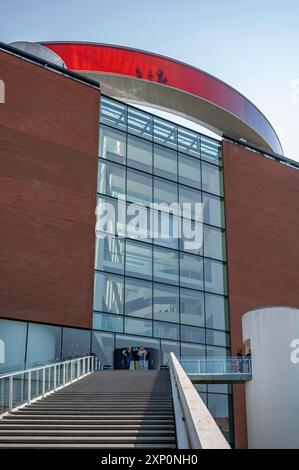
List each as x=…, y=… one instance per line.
x=221, y=365
x=195, y=426
x=72, y=370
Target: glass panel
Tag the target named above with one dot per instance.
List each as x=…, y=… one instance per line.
x=140, y=153
x=112, y=144
x=103, y=347
x=139, y=225
x=219, y=388
x=192, y=350
x=138, y=259
x=215, y=277
x=109, y=254
x=165, y=191
x=218, y=338
x=43, y=344
x=165, y=162
x=138, y=298
x=113, y=113
x=166, y=229
x=165, y=132
x=111, y=179
x=166, y=266
x=108, y=293
x=139, y=327
x=216, y=352
x=166, y=330
x=214, y=243
x=213, y=210
x=167, y=347
x=219, y=409
x=189, y=171
x=192, y=334
x=125, y=341
x=216, y=312
x=191, y=240
x=189, y=142
x=75, y=342
x=166, y=303
x=139, y=187
x=12, y=345
x=109, y=215
x=104, y=321
x=210, y=150
x=204, y=397
x=140, y=123
x=212, y=179
x=190, y=196
x=192, y=307
x=191, y=271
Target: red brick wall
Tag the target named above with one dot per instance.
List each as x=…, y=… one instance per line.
x=48, y=171
x=262, y=208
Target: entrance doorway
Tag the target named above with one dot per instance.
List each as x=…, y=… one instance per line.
x=152, y=359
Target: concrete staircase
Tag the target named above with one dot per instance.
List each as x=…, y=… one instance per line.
x=108, y=409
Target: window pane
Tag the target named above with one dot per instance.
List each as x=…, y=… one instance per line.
x=166, y=330
x=218, y=338
x=13, y=334
x=138, y=327
x=190, y=196
x=140, y=123
x=165, y=162
x=216, y=351
x=213, y=211
x=139, y=226
x=165, y=132
x=166, y=303
x=192, y=350
x=192, y=307
x=212, y=179
x=139, y=187
x=189, y=171
x=189, y=142
x=43, y=344
x=166, y=266
x=138, y=259
x=215, y=277
x=109, y=254
x=166, y=229
x=140, y=153
x=210, y=150
x=113, y=113
x=108, y=293
x=218, y=406
x=125, y=341
x=214, y=243
x=104, y=321
x=103, y=346
x=167, y=347
x=165, y=191
x=191, y=271
x=216, y=312
x=111, y=179
x=138, y=298
x=75, y=342
x=192, y=237
x=112, y=144
x=192, y=334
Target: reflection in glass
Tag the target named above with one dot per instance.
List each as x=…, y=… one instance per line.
x=43, y=344
x=165, y=162
x=212, y=179
x=138, y=327
x=111, y=179
x=166, y=303
x=139, y=187
x=109, y=253
x=138, y=298
x=213, y=210
x=138, y=259
x=75, y=342
x=189, y=171
x=112, y=144
x=165, y=191
x=191, y=271
x=215, y=277
x=166, y=330
x=13, y=337
x=106, y=322
x=139, y=153
x=103, y=347
x=166, y=265
x=192, y=334
x=214, y=243
x=216, y=312
x=192, y=307
x=108, y=293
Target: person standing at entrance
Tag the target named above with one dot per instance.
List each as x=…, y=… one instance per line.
x=142, y=353
x=127, y=354
x=240, y=359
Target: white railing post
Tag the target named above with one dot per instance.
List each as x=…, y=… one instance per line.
x=55, y=378
x=78, y=368
x=44, y=382
x=63, y=376
x=29, y=387
x=10, y=393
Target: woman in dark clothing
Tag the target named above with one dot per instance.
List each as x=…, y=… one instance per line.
x=240, y=359
x=127, y=354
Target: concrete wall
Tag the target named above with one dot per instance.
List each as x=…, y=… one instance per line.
x=48, y=178
x=272, y=397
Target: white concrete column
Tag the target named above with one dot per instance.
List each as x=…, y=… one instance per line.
x=272, y=396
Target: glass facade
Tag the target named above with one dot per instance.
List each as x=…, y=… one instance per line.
x=159, y=292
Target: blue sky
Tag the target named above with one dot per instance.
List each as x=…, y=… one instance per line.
x=253, y=45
